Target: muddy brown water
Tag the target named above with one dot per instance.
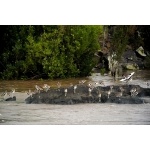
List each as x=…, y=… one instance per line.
x=22, y=86
x=80, y=114
x=19, y=113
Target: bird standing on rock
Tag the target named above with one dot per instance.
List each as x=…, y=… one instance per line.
x=65, y=90
x=133, y=92
x=96, y=84
x=91, y=85
x=119, y=94
x=90, y=90
x=110, y=91
x=38, y=88
x=4, y=94
x=111, y=88
x=108, y=94
x=12, y=92
x=82, y=81
x=101, y=82
x=46, y=87
x=74, y=89
x=30, y=93
x=147, y=84
x=99, y=96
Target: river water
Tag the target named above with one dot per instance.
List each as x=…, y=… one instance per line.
x=19, y=113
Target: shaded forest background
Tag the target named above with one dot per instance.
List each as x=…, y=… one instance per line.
x=28, y=52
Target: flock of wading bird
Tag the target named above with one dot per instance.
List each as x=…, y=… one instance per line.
x=91, y=86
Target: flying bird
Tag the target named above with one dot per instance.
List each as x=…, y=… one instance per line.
x=128, y=77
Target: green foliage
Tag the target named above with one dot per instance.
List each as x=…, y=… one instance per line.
x=147, y=62
x=120, y=40
x=102, y=71
x=49, y=51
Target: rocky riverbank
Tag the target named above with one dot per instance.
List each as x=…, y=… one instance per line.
x=122, y=94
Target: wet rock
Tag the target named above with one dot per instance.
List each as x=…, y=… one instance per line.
x=131, y=66
x=11, y=98
x=81, y=95
x=140, y=51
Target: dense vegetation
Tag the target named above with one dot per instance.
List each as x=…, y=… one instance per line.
x=30, y=52
x=48, y=51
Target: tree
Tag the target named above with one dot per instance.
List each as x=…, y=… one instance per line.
x=49, y=51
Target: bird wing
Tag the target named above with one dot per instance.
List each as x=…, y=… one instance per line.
x=124, y=79
x=130, y=75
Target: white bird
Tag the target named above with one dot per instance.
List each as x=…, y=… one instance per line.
x=111, y=88
x=119, y=94
x=30, y=93
x=74, y=88
x=38, y=88
x=12, y=92
x=99, y=96
x=82, y=81
x=147, y=84
x=110, y=91
x=133, y=92
x=128, y=77
x=101, y=82
x=96, y=84
x=65, y=90
x=90, y=90
x=91, y=85
x=4, y=94
x=46, y=87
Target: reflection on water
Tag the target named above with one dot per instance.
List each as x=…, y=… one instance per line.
x=17, y=112
x=140, y=77
x=21, y=85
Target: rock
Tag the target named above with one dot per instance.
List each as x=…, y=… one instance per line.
x=11, y=98
x=140, y=51
x=54, y=96
x=131, y=66
x=132, y=60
